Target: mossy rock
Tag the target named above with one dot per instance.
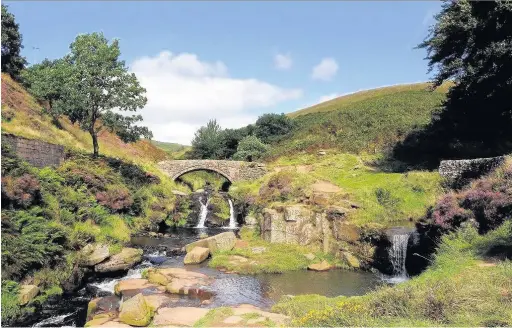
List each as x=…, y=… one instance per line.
x=136, y=312
x=157, y=278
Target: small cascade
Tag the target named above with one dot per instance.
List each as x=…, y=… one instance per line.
x=232, y=217
x=204, y=213
x=397, y=255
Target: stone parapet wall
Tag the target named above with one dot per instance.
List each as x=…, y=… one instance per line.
x=37, y=153
x=231, y=170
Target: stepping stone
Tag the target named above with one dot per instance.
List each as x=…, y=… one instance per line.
x=179, y=316
x=234, y=319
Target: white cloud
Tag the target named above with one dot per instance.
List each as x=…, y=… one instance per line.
x=325, y=70
x=184, y=93
x=282, y=61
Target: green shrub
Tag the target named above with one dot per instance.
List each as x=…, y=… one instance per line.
x=219, y=207
x=29, y=241
x=10, y=303
x=84, y=233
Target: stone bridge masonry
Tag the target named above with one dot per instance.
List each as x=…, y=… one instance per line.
x=231, y=170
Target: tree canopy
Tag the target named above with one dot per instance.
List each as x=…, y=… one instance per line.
x=471, y=44
x=48, y=81
x=12, y=61
x=269, y=127
x=100, y=87
x=250, y=148
x=207, y=142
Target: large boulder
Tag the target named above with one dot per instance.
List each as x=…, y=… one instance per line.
x=136, y=312
x=222, y=242
x=197, y=255
x=27, y=293
x=93, y=254
x=126, y=259
x=322, y=266
x=101, y=305
x=179, y=316
x=130, y=287
x=181, y=281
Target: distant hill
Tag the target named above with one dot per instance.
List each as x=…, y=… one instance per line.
x=366, y=121
x=22, y=115
x=174, y=150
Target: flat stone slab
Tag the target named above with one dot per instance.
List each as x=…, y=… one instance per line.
x=131, y=287
x=179, y=316
x=124, y=260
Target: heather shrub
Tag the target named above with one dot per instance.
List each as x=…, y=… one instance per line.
x=84, y=172
x=487, y=202
x=285, y=185
x=20, y=192
x=131, y=173
x=117, y=198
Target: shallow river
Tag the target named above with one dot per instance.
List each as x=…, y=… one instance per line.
x=262, y=290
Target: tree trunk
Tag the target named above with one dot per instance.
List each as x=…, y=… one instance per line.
x=95, y=145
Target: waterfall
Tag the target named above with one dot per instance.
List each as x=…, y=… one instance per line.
x=204, y=212
x=232, y=218
x=397, y=255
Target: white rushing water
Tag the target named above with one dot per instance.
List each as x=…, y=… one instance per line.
x=397, y=255
x=54, y=320
x=232, y=218
x=109, y=284
x=204, y=213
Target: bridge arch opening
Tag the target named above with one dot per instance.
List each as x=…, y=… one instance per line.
x=214, y=178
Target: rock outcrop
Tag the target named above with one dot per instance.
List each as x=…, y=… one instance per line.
x=27, y=293
x=126, y=259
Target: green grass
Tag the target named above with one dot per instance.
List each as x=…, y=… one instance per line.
x=455, y=291
x=276, y=258
x=369, y=121
x=214, y=316
x=383, y=197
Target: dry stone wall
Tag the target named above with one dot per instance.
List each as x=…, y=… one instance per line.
x=460, y=172
x=37, y=153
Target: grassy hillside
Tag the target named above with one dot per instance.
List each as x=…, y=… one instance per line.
x=22, y=115
x=367, y=121
x=174, y=150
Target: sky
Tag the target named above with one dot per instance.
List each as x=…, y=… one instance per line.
x=233, y=61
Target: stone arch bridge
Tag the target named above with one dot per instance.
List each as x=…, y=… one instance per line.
x=231, y=170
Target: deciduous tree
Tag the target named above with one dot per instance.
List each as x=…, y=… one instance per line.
x=101, y=87
x=12, y=61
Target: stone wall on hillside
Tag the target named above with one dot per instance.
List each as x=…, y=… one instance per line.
x=37, y=153
x=461, y=171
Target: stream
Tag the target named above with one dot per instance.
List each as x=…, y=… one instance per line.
x=262, y=290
